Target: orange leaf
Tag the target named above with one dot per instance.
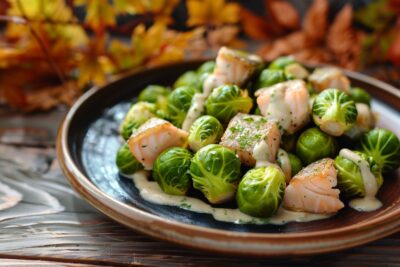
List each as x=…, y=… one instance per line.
x=283, y=13
x=315, y=23
x=254, y=26
x=212, y=12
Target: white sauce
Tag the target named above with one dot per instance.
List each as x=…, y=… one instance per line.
x=369, y=202
x=278, y=109
x=285, y=164
x=262, y=154
x=195, y=111
x=151, y=192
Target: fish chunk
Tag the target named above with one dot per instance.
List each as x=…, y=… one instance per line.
x=329, y=77
x=287, y=103
x=152, y=138
x=232, y=67
x=311, y=190
x=253, y=138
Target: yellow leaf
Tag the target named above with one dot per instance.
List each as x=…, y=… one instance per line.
x=99, y=13
x=212, y=12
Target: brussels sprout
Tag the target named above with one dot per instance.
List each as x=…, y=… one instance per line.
x=215, y=172
x=313, y=144
x=289, y=163
x=206, y=67
x=281, y=62
x=349, y=178
x=295, y=71
x=359, y=95
x=179, y=102
x=383, y=146
x=204, y=131
x=288, y=142
x=126, y=162
x=227, y=100
x=189, y=78
x=334, y=112
x=270, y=77
x=171, y=171
x=138, y=114
x=364, y=123
x=155, y=94
x=261, y=191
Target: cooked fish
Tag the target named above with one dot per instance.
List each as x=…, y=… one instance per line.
x=287, y=103
x=253, y=138
x=311, y=190
x=329, y=77
x=152, y=138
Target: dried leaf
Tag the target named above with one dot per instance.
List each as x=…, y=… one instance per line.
x=315, y=22
x=393, y=53
x=224, y=36
x=99, y=13
x=211, y=12
x=283, y=13
x=255, y=26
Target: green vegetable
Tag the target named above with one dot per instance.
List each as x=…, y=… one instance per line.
x=138, y=114
x=350, y=180
x=179, y=102
x=261, y=191
x=126, y=162
x=295, y=163
x=288, y=142
x=359, y=95
x=295, y=71
x=206, y=67
x=334, y=112
x=269, y=77
x=226, y=101
x=204, y=131
x=281, y=62
x=171, y=171
x=383, y=146
x=189, y=78
x=313, y=144
x=215, y=171
x=155, y=94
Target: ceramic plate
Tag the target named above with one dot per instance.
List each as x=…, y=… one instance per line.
x=87, y=145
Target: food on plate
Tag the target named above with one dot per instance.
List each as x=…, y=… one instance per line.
x=138, y=114
x=171, y=170
x=215, y=172
x=152, y=138
x=299, y=147
x=313, y=144
x=334, y=112
x=260, y=191
x=254, y=139
x=204, y=131
x=312, y=189
x=126, y=162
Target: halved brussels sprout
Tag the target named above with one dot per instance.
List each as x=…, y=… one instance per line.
x=126, y=162
x=313, y=144
x=334, y=112
x=295, y=71
x=383, y=146
x=359, y=95
x=269, y=77
x=295, y=163
x=155, y=94
x=261, y=191
x=189, y=78
x=350, y=180
x=206, y=67
x=215, y=172
x=171, y=171
x=281, y=62
x=226, y=101
x=204, y=131
x=138, y=114
x=179, y=102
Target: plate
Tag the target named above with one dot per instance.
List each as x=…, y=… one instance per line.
x=87, y=144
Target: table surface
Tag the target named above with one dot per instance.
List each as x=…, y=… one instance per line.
x=53, y=226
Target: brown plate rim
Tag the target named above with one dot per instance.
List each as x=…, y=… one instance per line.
x=255, y=244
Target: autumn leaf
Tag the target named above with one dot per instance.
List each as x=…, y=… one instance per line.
x=99, y=13
x=254, y=26
x=283, y=14
x=212, y=12
x=315, y=22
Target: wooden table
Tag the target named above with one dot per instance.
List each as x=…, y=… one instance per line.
x=53, y=226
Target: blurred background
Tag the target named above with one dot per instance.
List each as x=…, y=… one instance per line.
x=51, y=51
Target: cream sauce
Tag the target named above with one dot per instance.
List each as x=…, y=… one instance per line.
x=151, y=192
x=285, y=164
x=195, y=111
x=369, y=202
x=277, y=108
x=261, y=154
